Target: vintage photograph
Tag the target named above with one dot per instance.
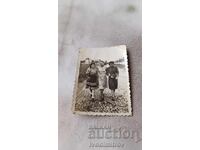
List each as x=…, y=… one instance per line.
x=102, y=82
x=98, y=85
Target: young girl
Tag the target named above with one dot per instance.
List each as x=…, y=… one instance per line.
x=92, y=78
x=102, y=79
x=113, y=73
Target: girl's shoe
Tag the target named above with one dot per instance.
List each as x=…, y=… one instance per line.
x=113, y=98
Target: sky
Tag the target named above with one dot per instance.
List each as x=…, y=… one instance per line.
x=109, y=54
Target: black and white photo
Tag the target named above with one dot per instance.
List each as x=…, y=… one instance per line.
x=102, y=82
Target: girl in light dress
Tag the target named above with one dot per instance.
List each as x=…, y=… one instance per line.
x=102, y=79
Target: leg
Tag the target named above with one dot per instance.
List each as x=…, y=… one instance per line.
x=92, y=94
x=101, y=92
x=113, y=94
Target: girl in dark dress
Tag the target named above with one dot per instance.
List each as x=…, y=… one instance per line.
x=92, y=78
x=113, y=73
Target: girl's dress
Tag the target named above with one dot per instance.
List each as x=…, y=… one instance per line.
x=102, y=78
x=92, y=78
x=112, y=72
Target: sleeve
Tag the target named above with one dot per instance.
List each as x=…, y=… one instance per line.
x=117, y=71
x=88, y=71
x=97, y=71
x=107, y=71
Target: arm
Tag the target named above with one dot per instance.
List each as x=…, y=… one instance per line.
x=88, y=71
x=107, y=72
x=117, y=73
x=97, y=72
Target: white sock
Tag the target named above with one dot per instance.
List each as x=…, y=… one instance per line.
x=92, y=93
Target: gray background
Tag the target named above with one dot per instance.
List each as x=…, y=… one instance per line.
x=97, y=23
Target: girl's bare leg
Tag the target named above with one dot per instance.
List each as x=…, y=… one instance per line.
x=101, y=92
x=93, y=94
x=90, y=92
x=113, y=94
